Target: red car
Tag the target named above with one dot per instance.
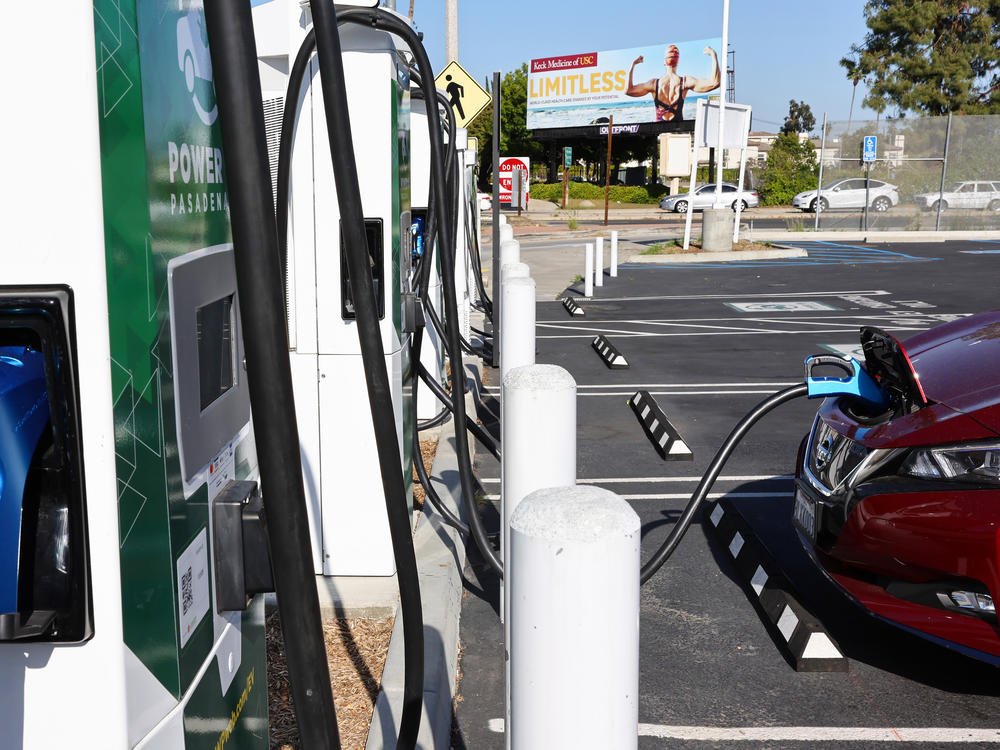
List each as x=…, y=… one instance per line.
x=901, y=504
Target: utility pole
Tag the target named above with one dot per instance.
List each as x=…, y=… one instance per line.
x=451, y=30
x=411, y=10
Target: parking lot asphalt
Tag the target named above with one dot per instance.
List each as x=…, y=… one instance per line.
x=709, y=341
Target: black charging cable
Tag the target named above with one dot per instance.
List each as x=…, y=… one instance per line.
x=712, y=473
x=355, y=247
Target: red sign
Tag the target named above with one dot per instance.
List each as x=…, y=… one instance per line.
x=566, y=62
x=507, y=165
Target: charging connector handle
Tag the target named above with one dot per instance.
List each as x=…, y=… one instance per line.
x=857, y=382
x=712, y=473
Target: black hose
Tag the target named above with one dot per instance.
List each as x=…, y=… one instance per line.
x=390, y=23
x=289, y=116
x=237, y=85
x=712, y=473
x=387, y=22
x=474, y=427
x=431, y=495
x=338, y=125
x=438, y=419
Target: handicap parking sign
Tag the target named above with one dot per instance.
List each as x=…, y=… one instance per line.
x=871, y=142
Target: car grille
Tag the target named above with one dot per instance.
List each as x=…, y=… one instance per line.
x=832, y=457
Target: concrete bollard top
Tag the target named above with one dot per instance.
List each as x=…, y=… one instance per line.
x=539, y=378
x=506, y=232
x=574, y=514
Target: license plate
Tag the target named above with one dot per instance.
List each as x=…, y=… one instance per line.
x=804, y=514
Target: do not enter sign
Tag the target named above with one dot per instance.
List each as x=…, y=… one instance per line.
x=507, y=165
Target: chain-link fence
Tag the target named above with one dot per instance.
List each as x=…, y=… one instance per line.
x=927, y=173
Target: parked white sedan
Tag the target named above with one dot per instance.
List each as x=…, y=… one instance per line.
x=704, y=197
x=849, y=193
x=976, y=194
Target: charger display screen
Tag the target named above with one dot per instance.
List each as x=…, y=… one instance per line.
x=216, y=354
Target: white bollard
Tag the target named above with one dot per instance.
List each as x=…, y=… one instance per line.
x=574, y=621
x=510, y=252
x=614, y=254
x=517, y=329
x=506, y=233
x=588, y=271
x=514, y=271
x=502, y=220
x=599, y=263
x=538, y=422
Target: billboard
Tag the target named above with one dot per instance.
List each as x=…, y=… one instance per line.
x=653, y=84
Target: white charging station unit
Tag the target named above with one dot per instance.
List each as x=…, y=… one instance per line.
x=118, y=270
x=340, y=463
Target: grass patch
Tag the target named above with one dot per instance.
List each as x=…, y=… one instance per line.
x=674, y=247
x=572, y=224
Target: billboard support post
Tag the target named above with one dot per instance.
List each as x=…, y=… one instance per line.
x=496, y=219
x=722, y=107
x=819, y=180
x=690, y=211
x=607, y=170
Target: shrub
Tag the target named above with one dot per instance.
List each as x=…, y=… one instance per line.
x=587, y=191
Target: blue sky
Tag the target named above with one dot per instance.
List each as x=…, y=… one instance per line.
x=784, y=50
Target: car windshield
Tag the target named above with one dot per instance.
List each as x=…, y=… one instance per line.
x=954, y=187
x=832, y=185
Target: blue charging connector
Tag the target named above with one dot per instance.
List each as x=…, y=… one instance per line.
x=856, y=382
x=24, y=412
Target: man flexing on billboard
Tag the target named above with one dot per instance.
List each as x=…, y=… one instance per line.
x=670, y=89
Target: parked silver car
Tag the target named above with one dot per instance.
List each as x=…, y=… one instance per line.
x=849, y=193
x=974, y=194
x=704, y=197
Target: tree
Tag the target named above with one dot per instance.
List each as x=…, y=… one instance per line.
x=930, y=56
x=800, y=118
x=791, y=168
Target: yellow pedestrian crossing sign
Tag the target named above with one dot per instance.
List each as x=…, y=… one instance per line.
x=467, y=98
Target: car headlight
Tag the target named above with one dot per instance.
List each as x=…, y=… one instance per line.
x=975, y=462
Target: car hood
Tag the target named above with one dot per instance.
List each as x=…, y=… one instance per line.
x=805, y=194
x=958, y=365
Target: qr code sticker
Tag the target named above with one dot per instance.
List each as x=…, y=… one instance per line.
x=187, y=591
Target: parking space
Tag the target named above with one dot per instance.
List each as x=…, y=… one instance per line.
x=709, y=341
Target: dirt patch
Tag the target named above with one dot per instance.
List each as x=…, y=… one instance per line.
x=676, y=247
x=356, y=650
x=427, y=450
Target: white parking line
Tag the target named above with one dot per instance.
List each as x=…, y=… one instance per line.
x=767, y=295
x=686, y=495
x=727, y=333
x=655, y=480
x=942, y=735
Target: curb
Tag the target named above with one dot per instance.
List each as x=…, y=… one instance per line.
x=799, y=636
x=440, y=552
x=715, y=257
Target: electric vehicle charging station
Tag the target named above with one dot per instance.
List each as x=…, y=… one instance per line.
x=343, y=485
x=144, y=614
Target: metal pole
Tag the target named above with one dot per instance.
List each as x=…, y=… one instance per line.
x=614, y=254
x=819, y=182
x=497, y=302
x=868, y=180
x=568, y=543
x=599, y=262
x=722, y=105
x=607, y=170
x=944, y=170
x=739, y=183
x=451, y=30
x=539, y=424
x=588, y=270
x=694, y=174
